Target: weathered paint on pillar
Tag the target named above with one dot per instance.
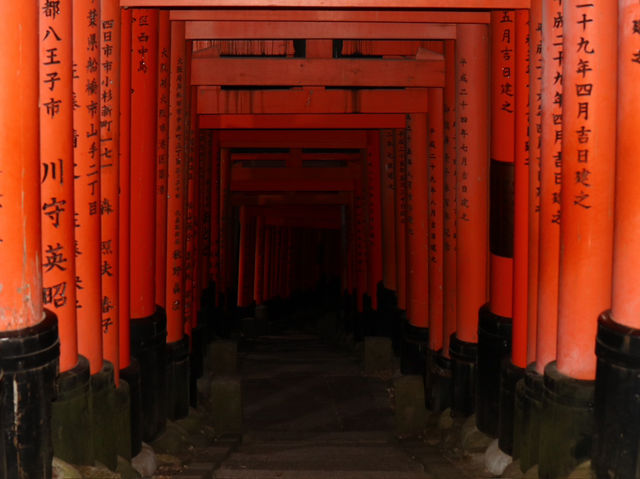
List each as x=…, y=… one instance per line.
x=162, y=152
x=374, y=209
x=90, y=267
x=258, y=267
x=56, y=158
x=401, y=217
x=625, y=307
x=435, y=158
x=109, y=177
x=588, y=176
x=472, y=115
x=521, y=193
x=503, y=89
x=417, y=222
x=124, y=200
x=387, y=148
x=20, y=211
x=176, y=187
x=449, y=198
x=550, y=182
x=535, y=155
x=144, y=84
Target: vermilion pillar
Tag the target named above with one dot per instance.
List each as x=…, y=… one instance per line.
x=27, y=386
x=401, y=205
x=90, y=267
x=148, y=324
x=449, y=198
x=586, y=233
x=215, y=220
x=387, y=148
x=472, y=113
x=162, y=152
x=176, y=188
x=258, y=271
x=244, y=288
x=225, y=222
x=374, y=210
x=109, y=177
x=617, y=438
x=56, y=158
x=513, y=370
x=124, y=203
x=494, y=325
x=416, y=329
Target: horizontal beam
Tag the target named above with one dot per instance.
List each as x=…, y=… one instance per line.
x=283, y=15
x=289, y=198
x=444, y=4
x=317, y=72
x=260, y=156
x=293, y=179
x=226, y=30
x=215, y=101
x=338, y=139
x=302, y=122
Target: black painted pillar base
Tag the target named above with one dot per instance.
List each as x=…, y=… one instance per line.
x=148, y=340
x=413, y=356
x=463, y=376
x=494, y=345
x=511, y=374
x=103, y=424
x=71, y=416
x=527, y=417
x=616, y=451
x=399, y=320
x=437, y=381
x=122, y=411
x=29, y=364
x=131, y=375
x=387, y=307
x=567, y=423
x=178, y=384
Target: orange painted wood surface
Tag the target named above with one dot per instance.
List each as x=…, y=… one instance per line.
x=90, y=266
x=110, y=35
x=337, y=139
x=374, y=216
x=388, y=168
x=626, y=260
x=472, y=88
x=587, y=196
x=144, y=85
x=215, y=101
x=56, y=158
x=488, y=4
x=401, y=216
x=229, y=30
x=315, y=122
x=317, y=72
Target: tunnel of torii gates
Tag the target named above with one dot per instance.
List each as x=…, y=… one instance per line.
x=461, y=175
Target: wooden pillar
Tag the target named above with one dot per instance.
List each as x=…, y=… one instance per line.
x=449, y=198
x=472, y=114
x=401, y=217
x=374, y=210
x=387, y=148
x=176, y=188
x=90, y=267
x=225, y=222
x=243, y=260
x=586, y=233
x=617, y=438
x=215, y=220
x=56, y=158
x=124, y=198
x=162, y=154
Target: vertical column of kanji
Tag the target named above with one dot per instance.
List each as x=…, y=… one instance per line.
x=258, y=270
x=449, y=200
x=56, y=156
x=162, y=151
x=25, y=330
x=528, y=398
x=194, y=194
x=437, y=390
x=86, y=123
x=109, y=177
x=472, y=169
x=387, y=164
x=513, y=370
x=401, y=229
x=586, y=233
x=617, y=438
x=374, y=210
x=416, y=333
x=494, y=325
x=177, y=343
x=148, y=322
